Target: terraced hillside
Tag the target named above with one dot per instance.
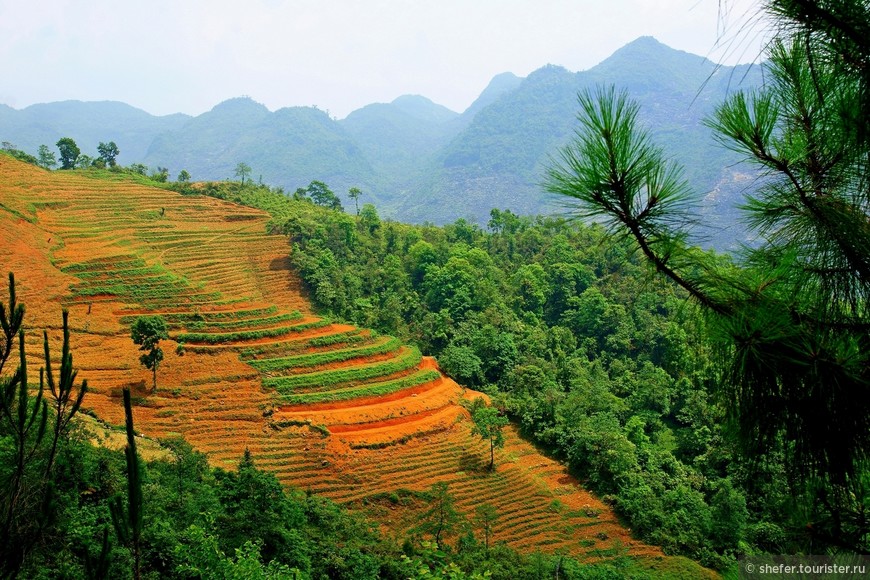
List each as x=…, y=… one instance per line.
x=334, y=409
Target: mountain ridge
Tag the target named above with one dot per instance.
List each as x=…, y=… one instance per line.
x=420, y=161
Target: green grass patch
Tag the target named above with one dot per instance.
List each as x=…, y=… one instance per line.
x=132, y=280
x=272, y=351
x=323, y=379
x=319, y=358
x=105, y=264
x=368, y=390
x=186, y=317
x=349, y=337
x=245, y=323
x=223, y=337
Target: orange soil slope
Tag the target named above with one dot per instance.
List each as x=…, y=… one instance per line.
x=324, y=406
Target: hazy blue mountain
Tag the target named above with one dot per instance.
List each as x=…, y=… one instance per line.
x=423, y=109
x=498, y=160
x=417, y=160
x=498, y=86
x=89, y=123
x=397, y=137
x=288, y=147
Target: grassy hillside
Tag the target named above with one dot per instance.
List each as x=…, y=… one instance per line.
x=327, y=407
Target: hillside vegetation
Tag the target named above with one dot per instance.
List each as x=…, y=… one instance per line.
x=329, y=408
x=570, y=333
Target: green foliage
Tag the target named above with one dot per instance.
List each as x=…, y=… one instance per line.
x=47, y=159
x=9, y=149
x=147, y=332
x=23, y=422
x=327, y=378
x=108, y=152
x=365, y=390
x=441, y=517
x=224, y=337
x=331, y=356
x=488, y=423
x=62, y=390
x=485, y=517
x=355, y=193
x=128, y=522
x=29, y=478
x=791, y=319
x=462, y=364
x=160, y=175
x=69, y=153
x=320, y=194
x=221, y=325
x=243, y=172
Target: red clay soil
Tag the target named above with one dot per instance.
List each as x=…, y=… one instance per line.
x=413, y=437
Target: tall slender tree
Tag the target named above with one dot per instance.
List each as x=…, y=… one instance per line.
x=66, y=400
x=441, y=517
x=128, y=522
x=23, y=420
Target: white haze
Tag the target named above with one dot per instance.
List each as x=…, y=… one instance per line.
x=168, y=56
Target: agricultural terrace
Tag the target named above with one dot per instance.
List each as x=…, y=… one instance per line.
x=330, y=408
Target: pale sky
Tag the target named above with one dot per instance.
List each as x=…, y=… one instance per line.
x=168, y=56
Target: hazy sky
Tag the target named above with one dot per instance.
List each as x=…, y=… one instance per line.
x=167, y=56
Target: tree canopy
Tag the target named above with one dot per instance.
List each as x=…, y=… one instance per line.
x=147, y=332
x=243, y=171
x=69, y=152
x=488, y=423
x=791, y=316
x=108, y=152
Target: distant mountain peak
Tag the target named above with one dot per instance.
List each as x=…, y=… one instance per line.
x=415, y=100
x=422, y=108
x=243, y=103
x=500, y=84
x=646, y=49
x=645, y=42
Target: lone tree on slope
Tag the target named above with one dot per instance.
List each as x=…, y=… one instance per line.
x=488, y=423
x=147, y=332
x=243, y=171
x=354, y=193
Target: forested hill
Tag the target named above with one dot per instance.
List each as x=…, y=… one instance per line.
x=416, y=160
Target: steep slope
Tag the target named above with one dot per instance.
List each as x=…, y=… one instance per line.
x=500, y=84
x=327, y=407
